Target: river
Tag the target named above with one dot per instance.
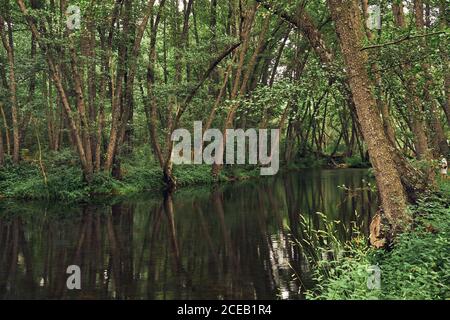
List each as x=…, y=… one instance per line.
x=236, y=241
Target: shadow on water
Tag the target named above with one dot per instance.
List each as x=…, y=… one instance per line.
x=232, y=242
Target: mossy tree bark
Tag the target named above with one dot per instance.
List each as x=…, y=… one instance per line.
x=349, y=27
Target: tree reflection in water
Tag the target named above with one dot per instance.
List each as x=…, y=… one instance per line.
x=230, y=242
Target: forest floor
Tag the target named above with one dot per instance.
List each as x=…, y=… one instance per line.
x=416, y=267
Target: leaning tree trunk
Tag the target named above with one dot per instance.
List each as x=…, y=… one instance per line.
x=305, y=24
x=349, y=27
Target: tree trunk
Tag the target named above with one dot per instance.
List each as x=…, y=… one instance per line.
x=2, y=151
x=416, y=112
x=81, y=106
x=383, y=105
x=56, y=76
x=151, y=110
x=120, y=121
x=438, y=135
x=247, y=24
x=7, y=39
x=349, y=27
x=5, y=124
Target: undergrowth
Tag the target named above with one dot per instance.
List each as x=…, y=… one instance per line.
x=417, y=267
x=62, y=178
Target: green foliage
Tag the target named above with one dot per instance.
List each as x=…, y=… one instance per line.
x=444, y=186
x=104, y=184
x=357, y=162
x=418, y=266
x=193, y=174
x=346, y=277
x=65, y=179
x=27, y=182
x=139, y=179
x=241, y=172
x=308, y=162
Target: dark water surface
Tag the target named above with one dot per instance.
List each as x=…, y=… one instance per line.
x=231, y=242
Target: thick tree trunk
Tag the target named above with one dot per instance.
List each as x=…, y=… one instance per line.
x=106, y=79
x=92, y=90
x=26, y=117
x=151, y=108
x=349, y=27
x=305, y=24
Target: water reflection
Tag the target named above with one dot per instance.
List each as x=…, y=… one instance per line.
x=233, y=242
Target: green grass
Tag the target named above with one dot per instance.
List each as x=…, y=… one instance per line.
x=418, y=266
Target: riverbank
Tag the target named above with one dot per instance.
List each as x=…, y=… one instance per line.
x=417, y=267
x=66, y=183
x=59, y=177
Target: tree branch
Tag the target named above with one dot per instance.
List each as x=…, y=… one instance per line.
x=212, y=66
x=408, y=37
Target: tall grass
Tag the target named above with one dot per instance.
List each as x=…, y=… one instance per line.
x=417, y=267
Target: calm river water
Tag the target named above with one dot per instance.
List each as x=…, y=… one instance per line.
x=237, y=241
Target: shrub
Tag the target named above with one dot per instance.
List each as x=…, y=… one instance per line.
x=356, y=162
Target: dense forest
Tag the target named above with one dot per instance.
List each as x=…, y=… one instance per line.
x=95, y=89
